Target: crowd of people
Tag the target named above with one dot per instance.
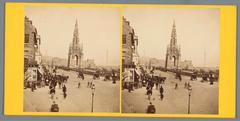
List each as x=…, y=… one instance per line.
x=151, y=80
x=41, y=76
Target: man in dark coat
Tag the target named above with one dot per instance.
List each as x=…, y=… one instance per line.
x=161, y=96
x=52, y=91
x=161, y=92
x=149, y=93
x=64, y=89
x=151, y=108
x=65, y=95
x=176, y=85
x=54, y=107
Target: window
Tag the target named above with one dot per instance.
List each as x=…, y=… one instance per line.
x=132, y=38
x=35, y=38
x=123, y=61
x=26, y=40
x=124, y=39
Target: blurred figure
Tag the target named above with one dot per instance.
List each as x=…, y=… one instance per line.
x=151, y=108
x=54, y=107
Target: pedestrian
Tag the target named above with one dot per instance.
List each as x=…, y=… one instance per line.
x=132, y=85
x=50, y=86
x=161, y=90
x=211, y=79
x=161, y=96
x=90, y=84
x=149, y=93
x=54, y=107
x=156, y=85
x=32, y=87
x=64, y=95
x=52, y=93
x=64, y=88
x=188, y=85
x=79, y=84
x=185, y=85
x=151, y=108
x=129, y=87
x=176, y=85
x=52, y=90
x=59, y=84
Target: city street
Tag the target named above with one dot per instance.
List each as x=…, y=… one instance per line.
x=203, y=100
x=106, y=96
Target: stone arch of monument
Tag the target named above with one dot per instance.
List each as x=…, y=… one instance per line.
x=76, y=59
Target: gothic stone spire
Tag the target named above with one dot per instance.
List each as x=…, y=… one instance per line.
x=75, y=50
x=173, y=35
x=76, y=34
x=173, y=50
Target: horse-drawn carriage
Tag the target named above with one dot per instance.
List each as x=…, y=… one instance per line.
x=96, y=75
x=193, y=76
x=107, y=76
x=178, y=75
x=209, y=76
x=159, y=79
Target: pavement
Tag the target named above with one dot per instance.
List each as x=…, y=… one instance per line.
x=203, y=99
x=106, y=96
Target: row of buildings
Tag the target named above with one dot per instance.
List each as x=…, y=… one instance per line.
x=32, y=42
x=130, y=54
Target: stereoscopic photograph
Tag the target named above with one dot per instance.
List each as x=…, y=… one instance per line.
x=170, y=60
x=71, y=59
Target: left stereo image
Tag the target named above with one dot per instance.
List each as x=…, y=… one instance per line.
x=71, y=59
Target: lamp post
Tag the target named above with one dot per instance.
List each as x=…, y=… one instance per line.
x=93, y=90
x=189, y=98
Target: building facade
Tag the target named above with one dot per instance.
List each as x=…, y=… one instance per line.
x=129, y=45
x=32, y=42
x=75, y=54
x=173, y=51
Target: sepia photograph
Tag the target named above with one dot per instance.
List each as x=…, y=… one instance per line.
x=71, y=59
x=120, y=60
x=170, y=60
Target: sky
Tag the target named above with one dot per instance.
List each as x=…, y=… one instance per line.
x=198, y=32
x=99, y=31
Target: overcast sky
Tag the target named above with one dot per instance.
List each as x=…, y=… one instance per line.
x=99, y=31
x=197, y=32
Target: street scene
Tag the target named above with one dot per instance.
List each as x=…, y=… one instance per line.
x=170, y=61
x=78, y=98
x=70, y=63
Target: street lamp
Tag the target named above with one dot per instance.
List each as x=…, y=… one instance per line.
x=93, y=90
x=189, y=95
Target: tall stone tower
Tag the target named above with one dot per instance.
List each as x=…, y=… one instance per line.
x=75, y=53
x=173, y=51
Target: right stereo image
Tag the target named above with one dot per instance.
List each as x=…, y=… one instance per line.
x=170, y=60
